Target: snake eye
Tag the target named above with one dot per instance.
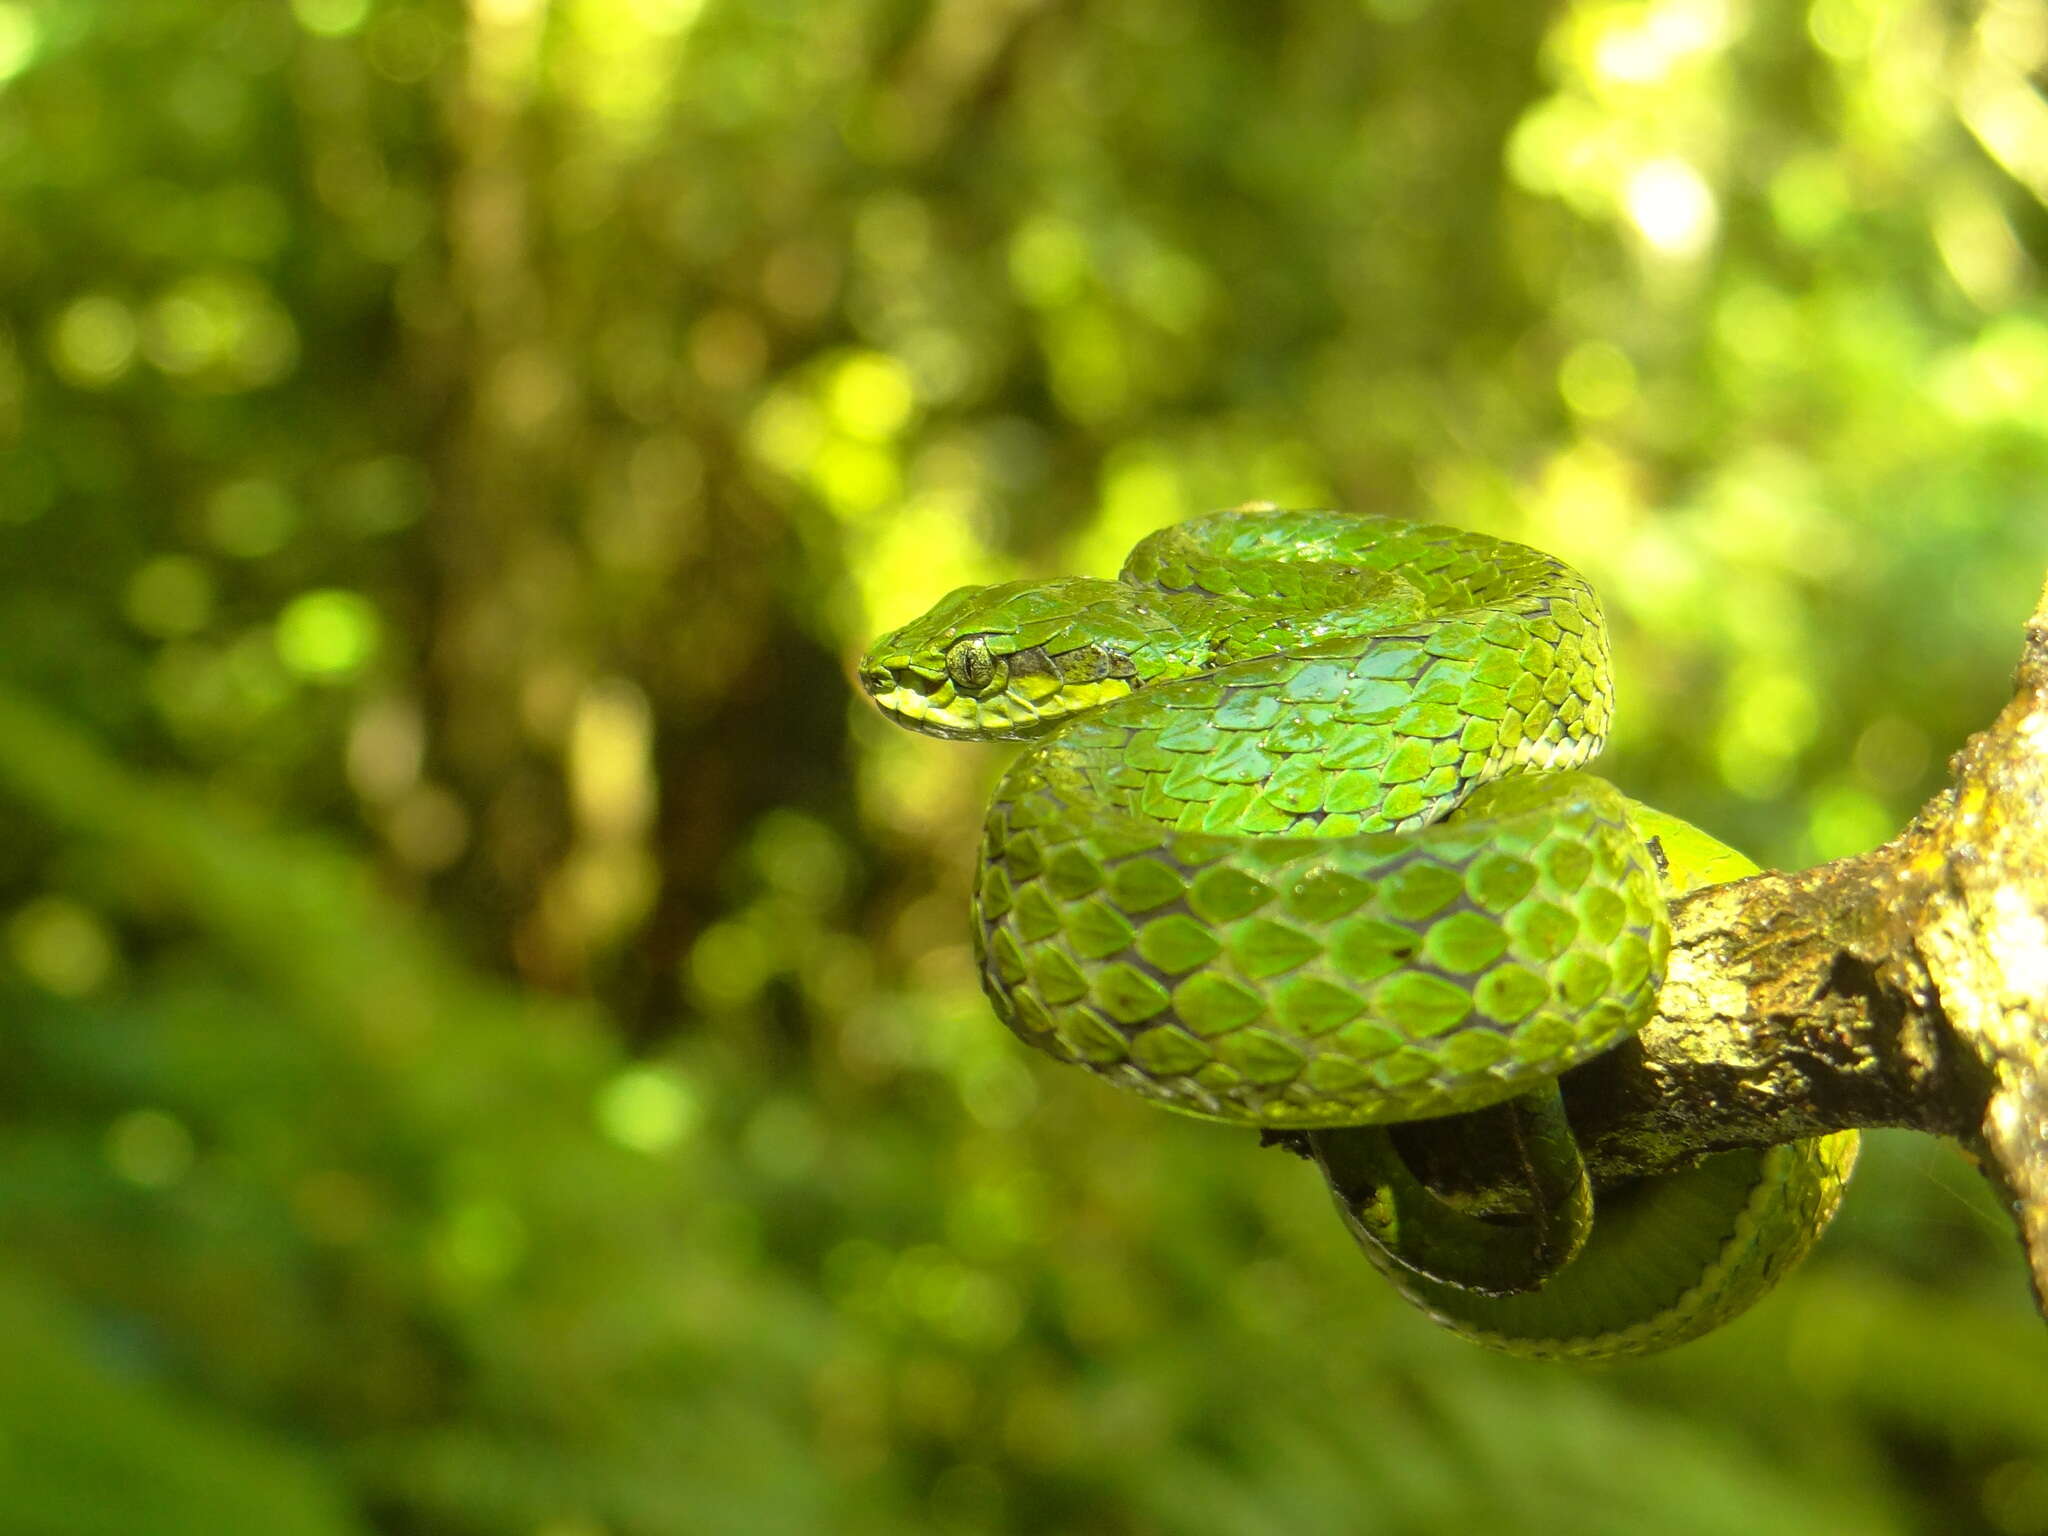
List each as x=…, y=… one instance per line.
x=971, y=668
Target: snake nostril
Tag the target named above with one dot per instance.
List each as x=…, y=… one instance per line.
x=878, y=680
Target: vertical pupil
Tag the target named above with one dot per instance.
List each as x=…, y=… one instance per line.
x=972, y=667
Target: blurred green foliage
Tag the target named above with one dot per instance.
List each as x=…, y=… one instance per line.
x=491, y=1046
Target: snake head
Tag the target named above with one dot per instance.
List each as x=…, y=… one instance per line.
x=1010, y=662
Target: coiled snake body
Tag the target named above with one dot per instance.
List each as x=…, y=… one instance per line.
x=1301, y=843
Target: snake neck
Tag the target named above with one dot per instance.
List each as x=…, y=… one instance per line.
x=1380, y=732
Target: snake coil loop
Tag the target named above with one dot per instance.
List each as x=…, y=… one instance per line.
x=1299, y=841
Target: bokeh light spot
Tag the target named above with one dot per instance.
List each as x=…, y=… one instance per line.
x=1597, y=380
x=1842, y=29
x=893, y=231
x=729, y=963
x=1846, y=820
x=999, y=1093
x=61, y=946
x=406, y=45
x=856, y=477
x=1049, y=262
x=480, y=1242
x=1769, y=720
x=666, y=16
x=611, y=771
x=647, y=1109
x=18, y=39
x=1142, y=488
x=331, y=18
x=1809, y=195
x=427, y=827
x=786, y=431
x=1672, y=206
x=251, y=518
x=328, y=634
x=149, y=1148
x=1978, y=246
x=169, y=596
x=1088, y=356
x=2004, y=372
x=93, y=342
x=871, y=397
x=801, y=857
x=222, y=331
x=1642, y=47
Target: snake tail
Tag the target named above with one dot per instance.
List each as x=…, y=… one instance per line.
x=1404, y=1223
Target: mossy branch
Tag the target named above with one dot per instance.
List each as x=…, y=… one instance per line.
x=1905, y=987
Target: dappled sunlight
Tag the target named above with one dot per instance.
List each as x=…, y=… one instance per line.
x=495, y=1043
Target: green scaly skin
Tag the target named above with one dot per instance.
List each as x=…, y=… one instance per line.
x=1300, y=844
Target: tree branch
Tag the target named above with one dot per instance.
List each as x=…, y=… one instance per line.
x=1905, y=987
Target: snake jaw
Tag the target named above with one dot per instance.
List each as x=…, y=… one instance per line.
x=1036, y=694
x=1012, y=662
x=934, y=706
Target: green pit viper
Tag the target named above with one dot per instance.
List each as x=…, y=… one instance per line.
x=1301, y=843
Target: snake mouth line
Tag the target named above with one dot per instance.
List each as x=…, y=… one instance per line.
x=936, y=709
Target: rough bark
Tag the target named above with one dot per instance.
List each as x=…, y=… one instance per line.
x=1905, y=987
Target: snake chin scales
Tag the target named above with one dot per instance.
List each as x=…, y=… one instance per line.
x=1299, y=840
